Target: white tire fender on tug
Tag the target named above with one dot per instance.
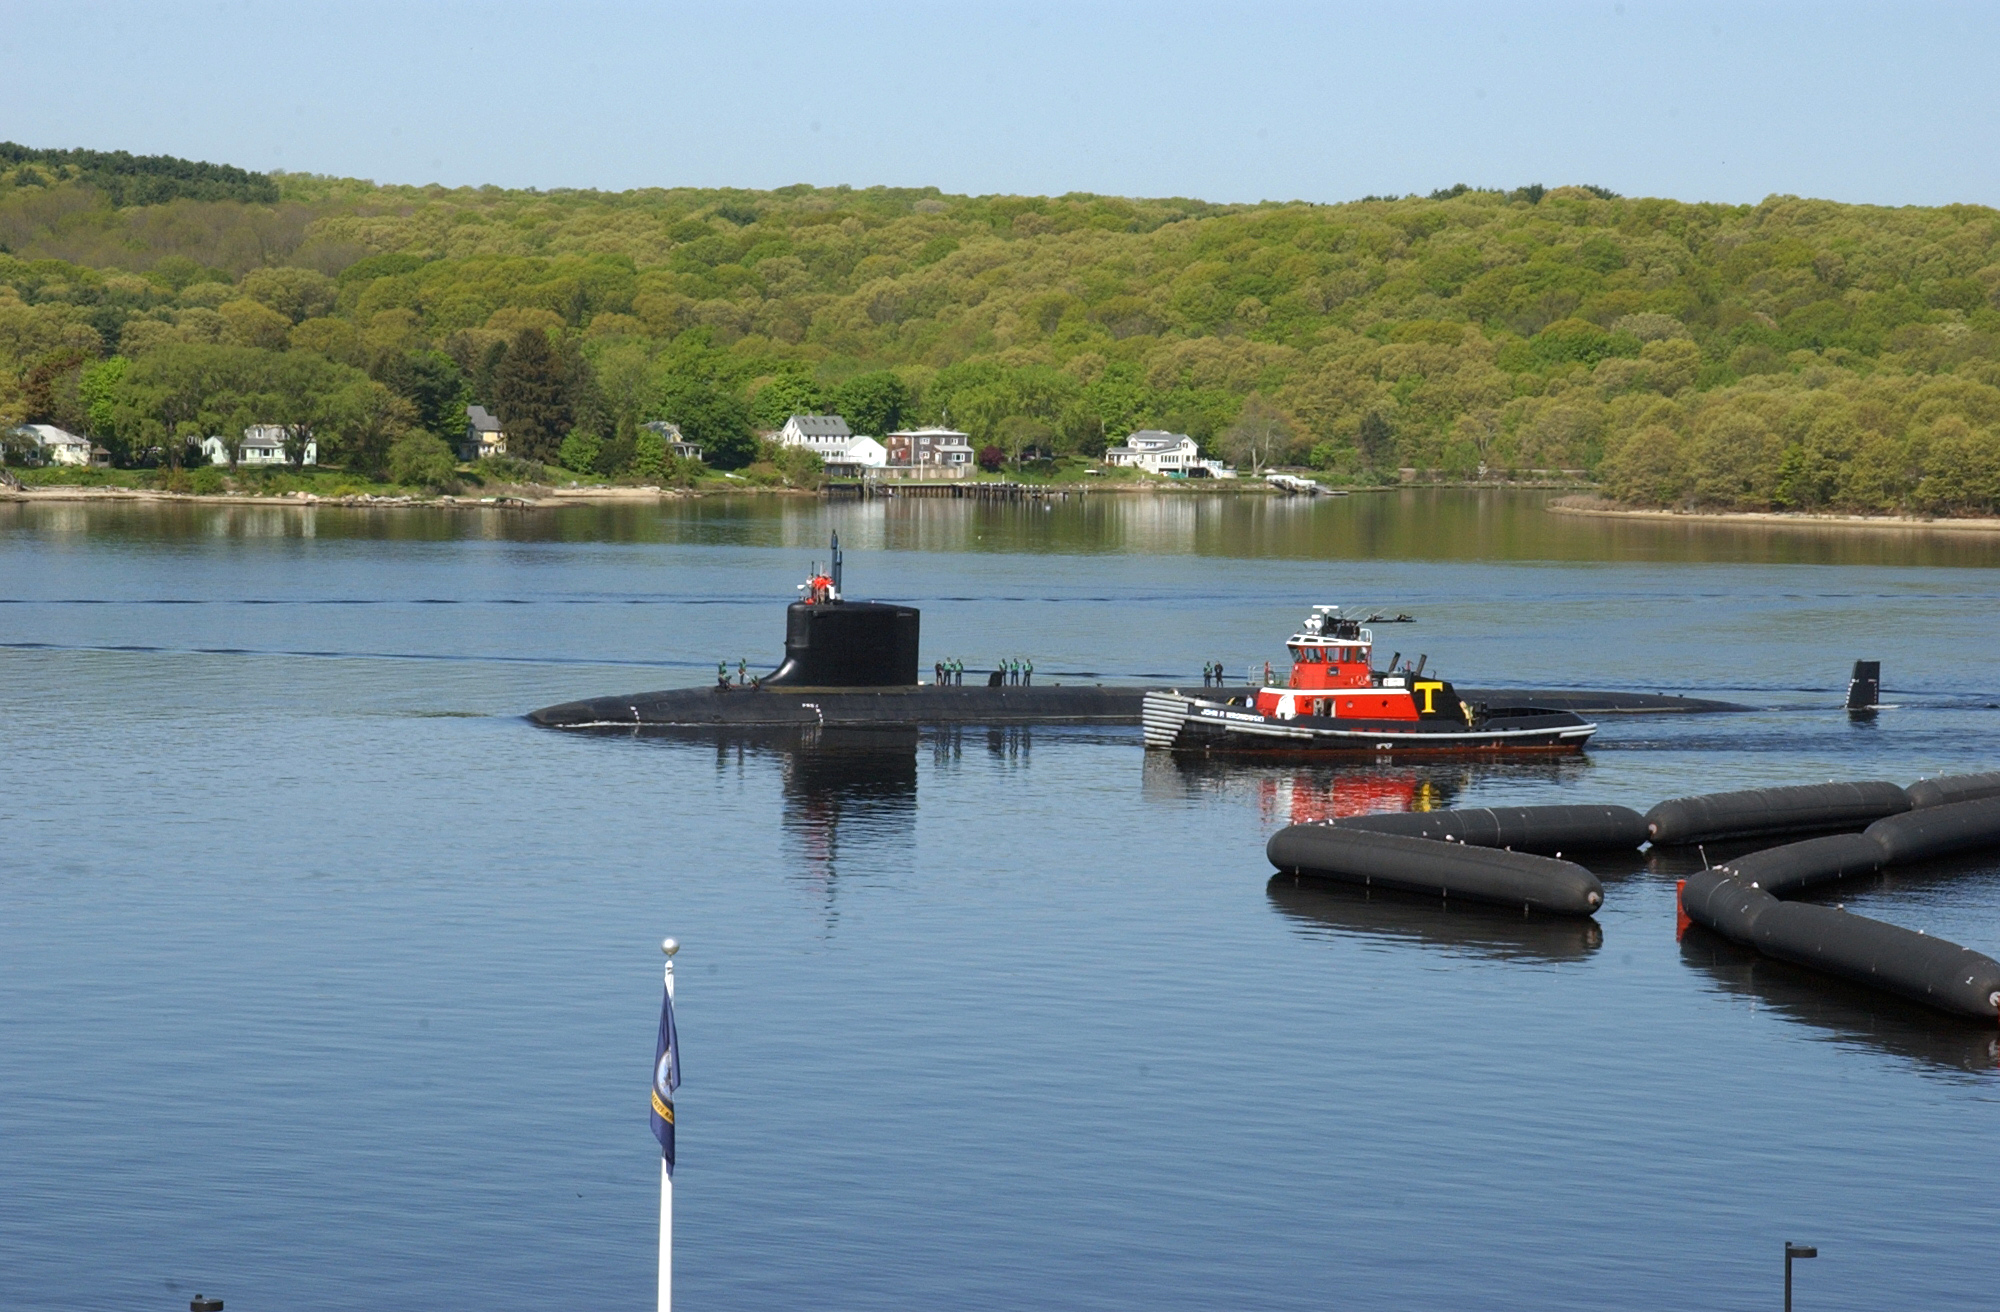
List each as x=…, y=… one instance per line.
x=1162, y=714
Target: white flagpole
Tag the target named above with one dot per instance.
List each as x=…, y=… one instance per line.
x=666, y=1179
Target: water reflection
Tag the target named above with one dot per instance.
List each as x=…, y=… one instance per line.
x=1405, y=524
x=1845, y=1013
x=1293, y=794
x=1321, y=908
x=842, y=788
x=847, y=787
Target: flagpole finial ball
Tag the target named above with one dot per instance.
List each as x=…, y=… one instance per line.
x=670, y=946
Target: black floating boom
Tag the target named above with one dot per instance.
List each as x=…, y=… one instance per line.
x=1929, y=970
x=1739, y=901
x=1756, y=812
x=1423, y=865
x=1528, y=828
x=1782, y=870
x=1937, y=831
x=1953, y=788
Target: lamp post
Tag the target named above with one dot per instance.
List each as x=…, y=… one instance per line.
x=1793, y=1250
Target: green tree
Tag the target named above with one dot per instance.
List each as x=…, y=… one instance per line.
x=787, y=395
x=801, y=466
x=649, y=455
x=432, y=383
x=1376, y=438
x=716, y=419
x=307, y=395
x=531, y=390
x=366, y=420
x=1260, y=434
x=420, y=459
x=580, y=451
x=872, y=403
x=97, y=390
x=169, y=399
x=298, y=294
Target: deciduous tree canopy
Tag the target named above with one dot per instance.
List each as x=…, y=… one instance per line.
x=1792, y=353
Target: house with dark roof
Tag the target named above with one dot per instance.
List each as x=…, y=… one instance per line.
x=822, y=433
x=483, y=438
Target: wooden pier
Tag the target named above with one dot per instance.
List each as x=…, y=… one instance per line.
x=954, y=489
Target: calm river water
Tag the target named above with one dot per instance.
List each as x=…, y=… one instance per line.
x=327, y=982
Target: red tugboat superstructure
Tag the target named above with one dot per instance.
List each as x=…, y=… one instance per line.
x=1336, y=701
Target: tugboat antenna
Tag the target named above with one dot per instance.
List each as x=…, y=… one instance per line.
x=836, y=564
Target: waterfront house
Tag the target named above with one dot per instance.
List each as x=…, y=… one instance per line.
x=483, y=438
x=56, y=446
x=676, y=444
x=858, y=457
x=929, y=453
x=1175, y=455
x=264, y=444
x=821, y=433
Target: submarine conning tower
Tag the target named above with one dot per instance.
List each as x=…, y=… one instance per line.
x=848, y=644
x=834, y=643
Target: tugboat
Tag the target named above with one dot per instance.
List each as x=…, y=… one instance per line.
x=1336, y=702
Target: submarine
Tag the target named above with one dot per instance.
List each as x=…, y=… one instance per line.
x=854, y=663
x=849, y=663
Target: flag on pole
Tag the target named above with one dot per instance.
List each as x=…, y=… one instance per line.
x=666, y=1078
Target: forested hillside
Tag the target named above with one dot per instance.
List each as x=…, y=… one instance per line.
x=1795, y=353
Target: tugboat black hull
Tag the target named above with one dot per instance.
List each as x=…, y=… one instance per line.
x=1200, y=727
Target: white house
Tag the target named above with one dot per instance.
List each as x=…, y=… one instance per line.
x=57, y=446
x=858, y=457
x=1175, y=455
x=483, y=437
x=263, y=444
x=821, y=433
x=844, y=452
x=676, y=444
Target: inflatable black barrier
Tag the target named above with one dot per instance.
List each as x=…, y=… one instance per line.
x=1468, y=854
x=1755, y=812
x=1782, y=870
x=1425, y=865
x=1739, y=901
x=1526, y=828
x=1937, y=831
x=1953, y=788
x=1929, y=970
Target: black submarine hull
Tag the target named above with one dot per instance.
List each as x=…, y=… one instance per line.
x=927, y=704
x=921, y=704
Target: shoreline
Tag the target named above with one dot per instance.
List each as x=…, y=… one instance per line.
x=513, y=500
x=1774, y=518
x=517, y=497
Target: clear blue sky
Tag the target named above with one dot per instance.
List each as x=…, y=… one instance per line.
x=1892, y=104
